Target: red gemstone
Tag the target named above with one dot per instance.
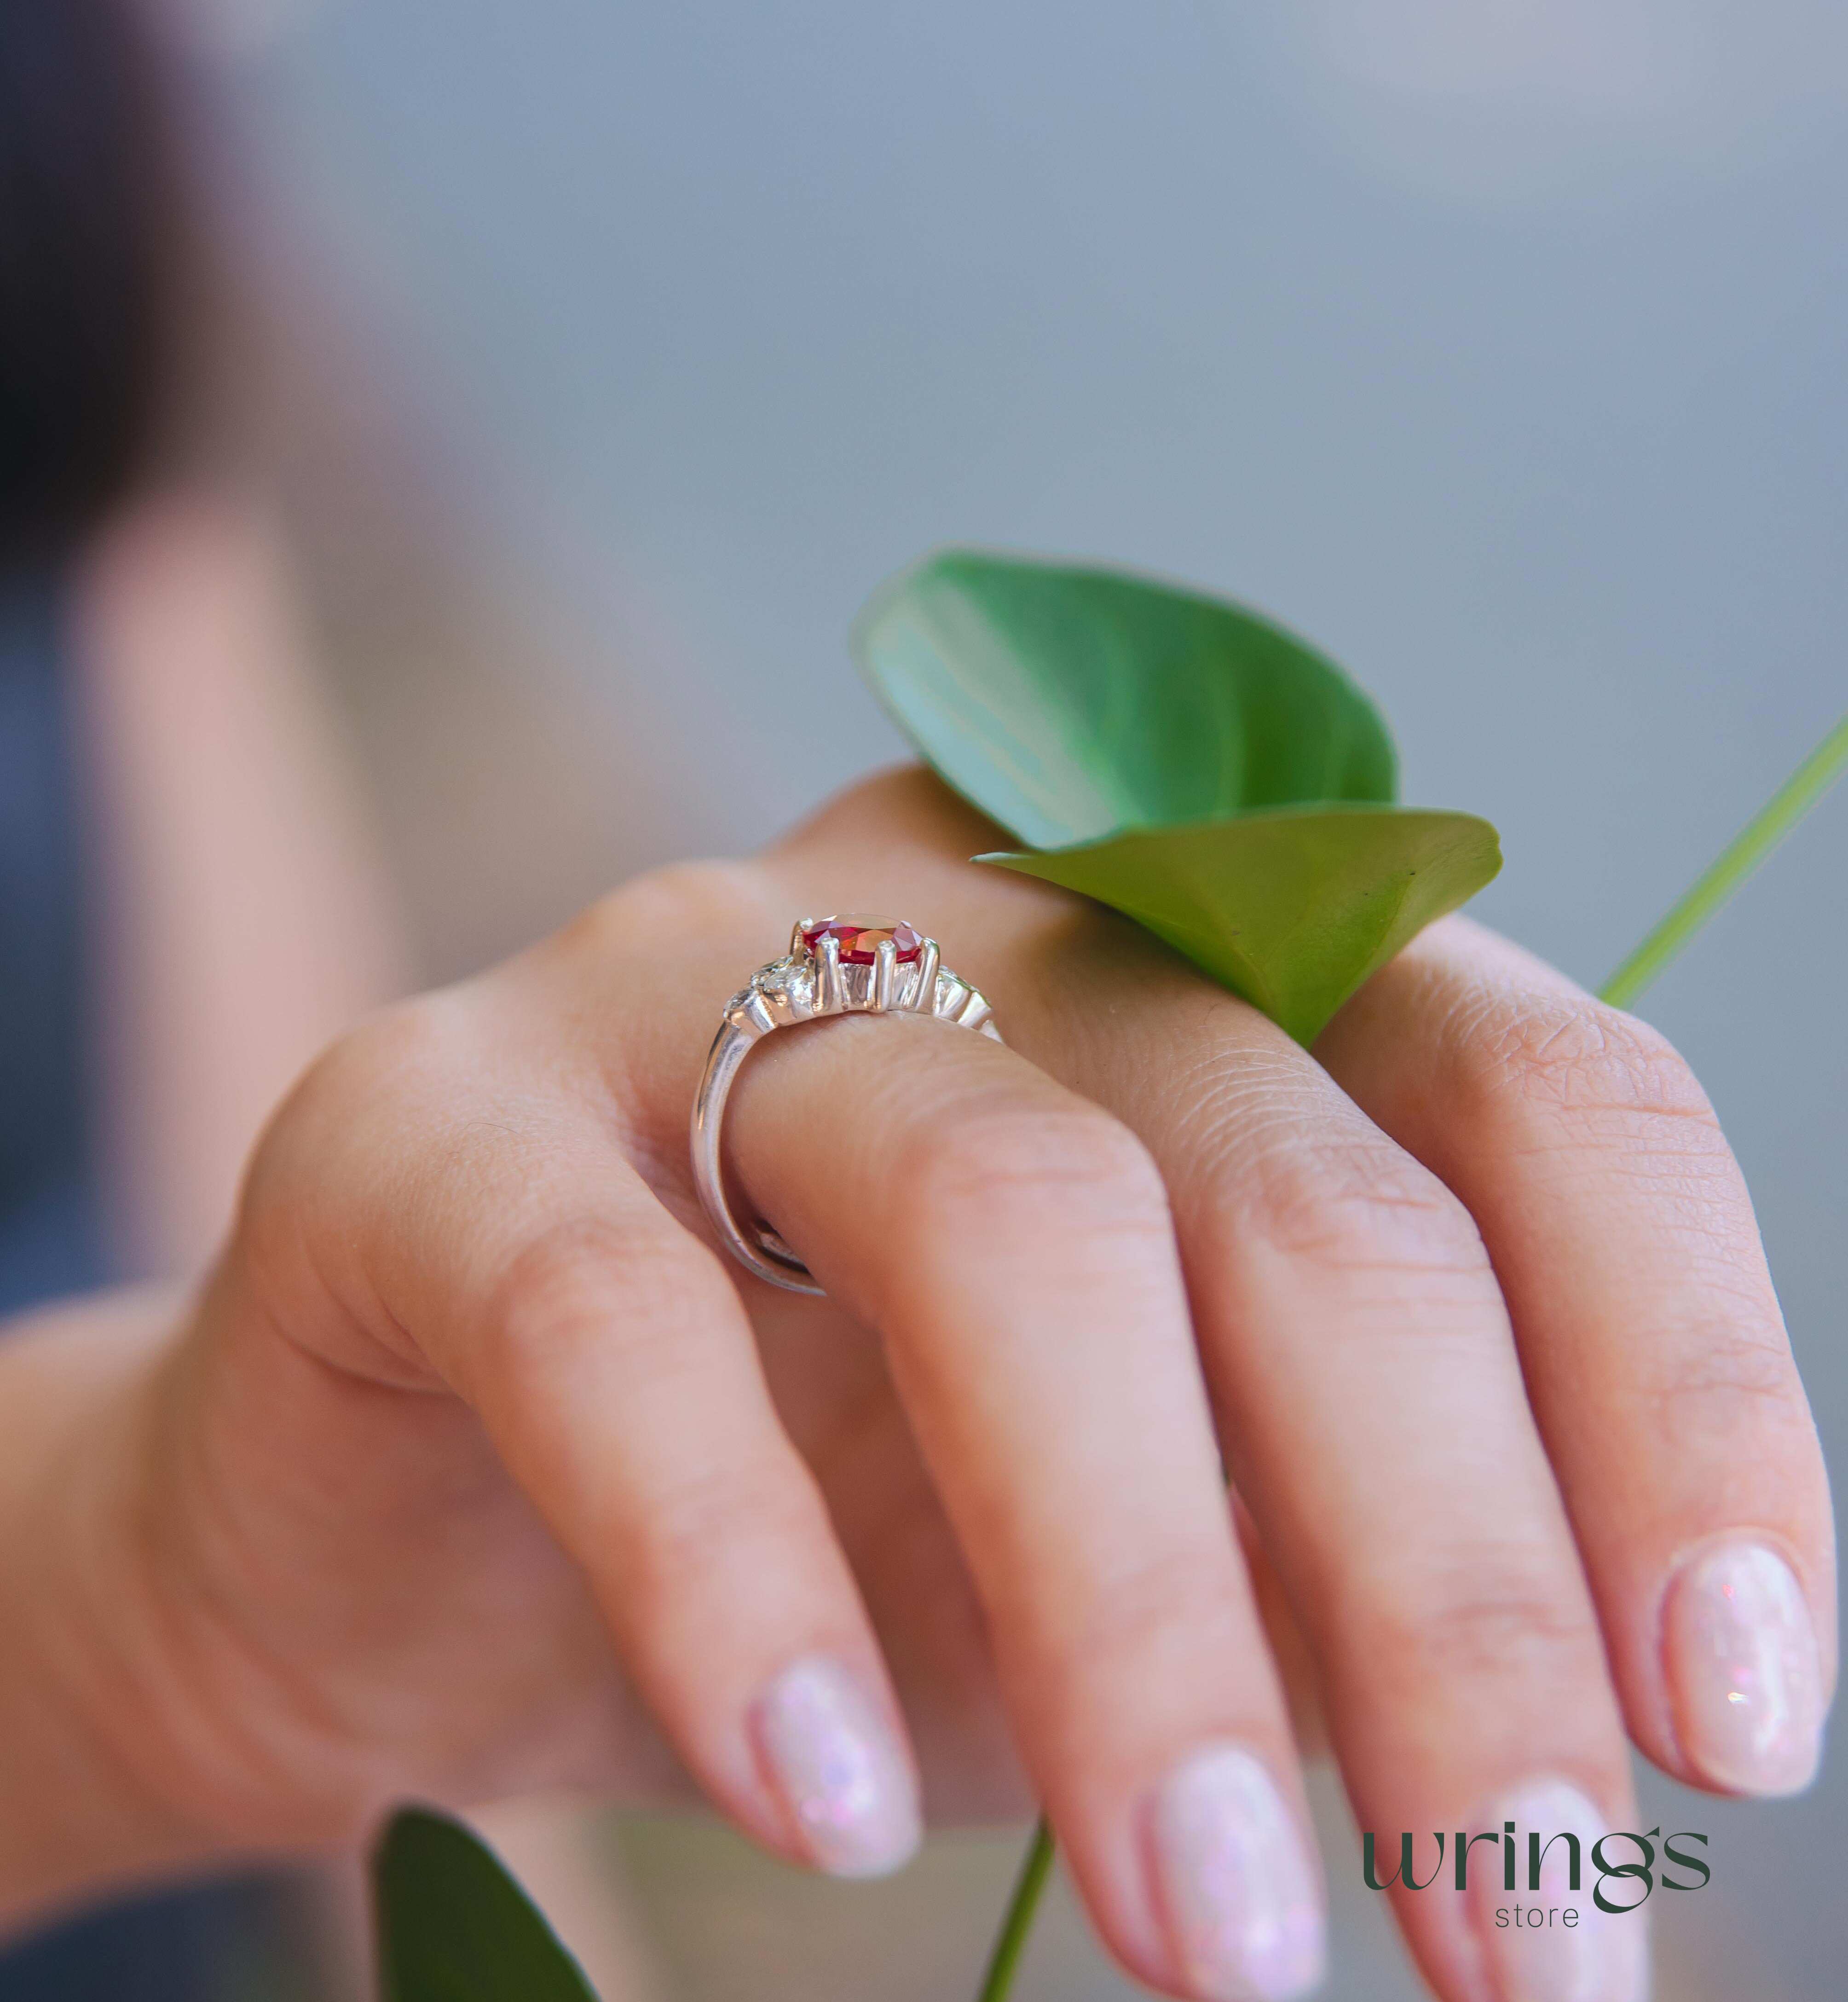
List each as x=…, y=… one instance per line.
x=860, y=938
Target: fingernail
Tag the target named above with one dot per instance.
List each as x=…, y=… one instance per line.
x=833, y=1758
x=1238, y=1891
x=1533, y=1954
x=1744, y=1671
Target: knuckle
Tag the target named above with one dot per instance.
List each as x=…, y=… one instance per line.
x=712, y=1508
x=345, y=1108
x=1733, y=1373
x=1352, y=1202
x=717, y=898
x=403, y=1057
x=1487, y=1623
x=1581, y=1059
x=1006, y=1170
x=388, y=1051
x=877, y=795
x=904, y=804
x=1165, y=1608
x=562, y=1289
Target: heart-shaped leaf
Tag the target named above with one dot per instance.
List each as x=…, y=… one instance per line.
x=454, y=1926
x=1161, y=751
x=1068, y=702
x=1292, y=907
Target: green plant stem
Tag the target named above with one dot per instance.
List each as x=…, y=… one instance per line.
x=1010, y=1942
x=1785, y=807
x=1781, y=813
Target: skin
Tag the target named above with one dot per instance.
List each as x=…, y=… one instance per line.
x=241, y=920
x=475, y=1468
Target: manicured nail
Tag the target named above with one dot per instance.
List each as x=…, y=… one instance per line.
x=833, y=1758
x=1534, y=1955
x=1744, y=1671
x=1238, y=1891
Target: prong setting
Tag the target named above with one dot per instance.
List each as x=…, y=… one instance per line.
x=831, y=991
x=924, y=999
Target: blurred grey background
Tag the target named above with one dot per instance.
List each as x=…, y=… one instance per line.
x=1497, y=344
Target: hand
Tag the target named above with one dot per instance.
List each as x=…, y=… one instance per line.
x=477, y=1469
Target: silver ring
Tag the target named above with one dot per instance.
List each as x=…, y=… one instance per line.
x=851, y=964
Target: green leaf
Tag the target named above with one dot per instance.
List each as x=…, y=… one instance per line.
x=1069, y=701
x=454, y=1926
x=1178, y=757
x=1294, y=908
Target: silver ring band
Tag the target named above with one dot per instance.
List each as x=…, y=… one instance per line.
x=844, y=965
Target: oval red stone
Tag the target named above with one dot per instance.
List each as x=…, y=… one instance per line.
x=860, y=937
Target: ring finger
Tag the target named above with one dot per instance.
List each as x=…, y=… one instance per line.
x=1013, y=1245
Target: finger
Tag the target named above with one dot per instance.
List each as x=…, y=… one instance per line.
x=1371, y=1402
x=513, y=1256
x=1014, y=1247
x=1655, y=1354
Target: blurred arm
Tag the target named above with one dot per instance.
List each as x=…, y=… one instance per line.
x=245, y=919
